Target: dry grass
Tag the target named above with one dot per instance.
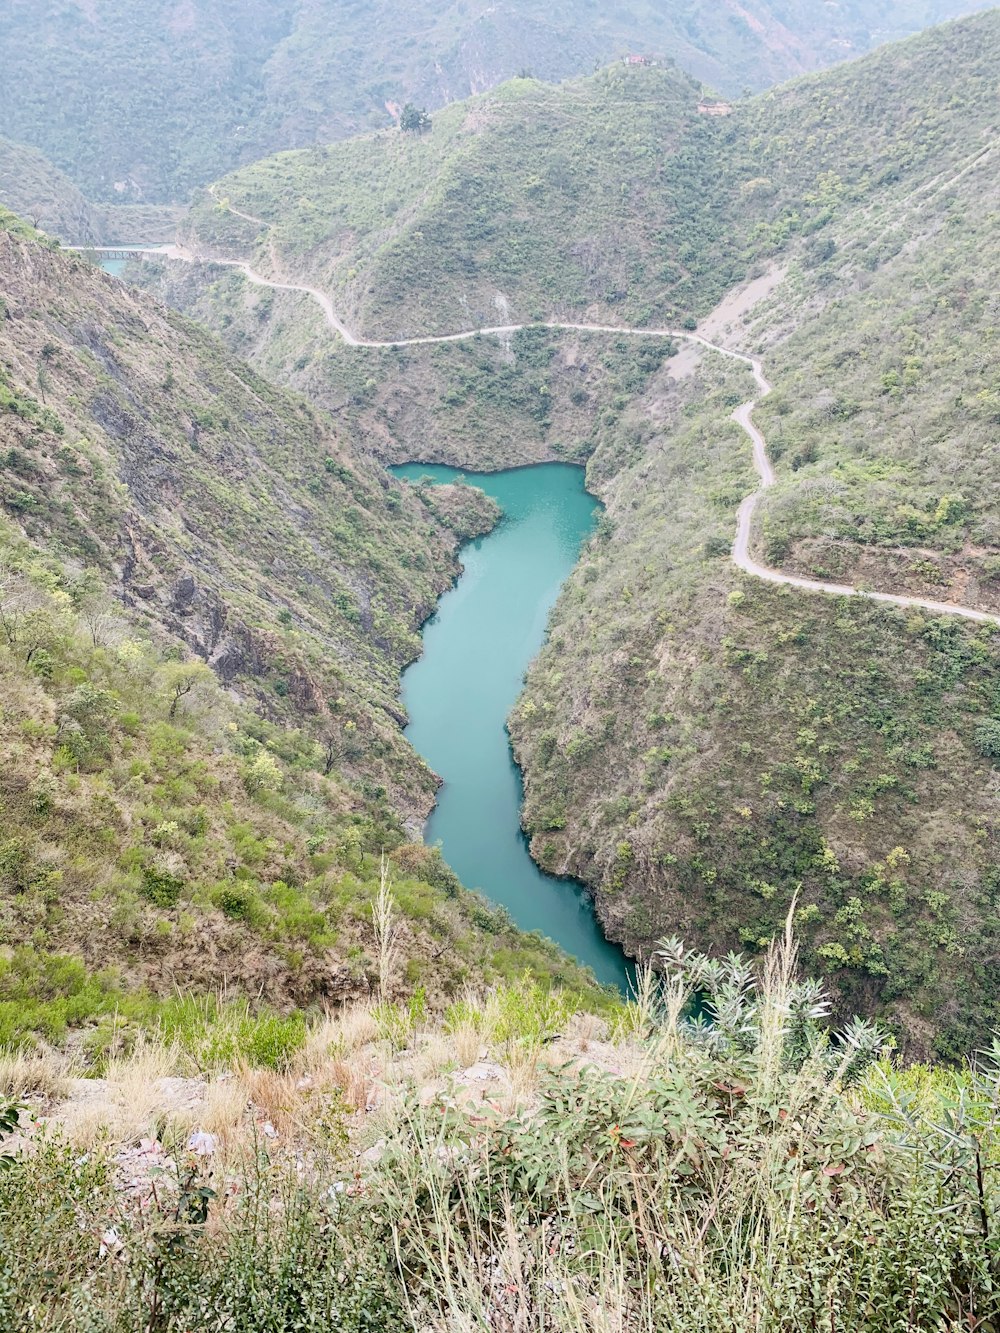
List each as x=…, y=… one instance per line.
x=467, y=1044
x=130, y=1103
x=626, y=1243
x=345, y=1057
x=522, y=1068
x=223, y=1110
x=386, y=931
x=337, y=1035
x=34, y=1074
x=435, y=1054
x=277, y=1098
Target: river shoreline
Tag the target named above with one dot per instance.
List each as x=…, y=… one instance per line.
x=459, y=693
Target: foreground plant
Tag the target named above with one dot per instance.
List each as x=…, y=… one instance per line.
x=744, y=1169
x=736, y=1179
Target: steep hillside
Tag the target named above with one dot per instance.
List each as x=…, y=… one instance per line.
x=205, y=600
x=779, y=743
x=215, y=505
x=609, y=199
x=700, y=747
x=33, y=188
x=155, y=99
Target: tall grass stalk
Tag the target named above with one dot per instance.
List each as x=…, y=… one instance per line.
x=386, y=932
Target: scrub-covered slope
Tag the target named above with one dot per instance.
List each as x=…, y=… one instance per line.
x=155, y=97
x=700, y=747
x=522, y=203
x=723, y=745
x=610, y=199
x=216, y=505
x=205, y=600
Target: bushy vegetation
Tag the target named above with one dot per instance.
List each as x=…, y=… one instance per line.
x=609, y=194
x=779, y=742
x=600, y=194
x=697, y=746
x=159, y=837
x=889, y=398
x=231, y=515
x=752, y=744
x=747, y=1169
x=154, y=103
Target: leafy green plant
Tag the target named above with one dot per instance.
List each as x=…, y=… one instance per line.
x=10, y=1118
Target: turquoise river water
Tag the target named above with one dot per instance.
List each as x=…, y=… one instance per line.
x=116, y=267
x=458, y=696
x=477, y=648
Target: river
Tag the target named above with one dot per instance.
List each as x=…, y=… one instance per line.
x=477, y=648
x=116, y=267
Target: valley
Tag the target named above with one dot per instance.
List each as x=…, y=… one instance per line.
x=743, y=415
x=625, y=806
x=499, y=666
x=202, y=767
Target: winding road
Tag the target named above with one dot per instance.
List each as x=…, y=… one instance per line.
x=743, y=416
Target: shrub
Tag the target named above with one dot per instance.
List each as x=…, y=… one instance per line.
x=262, y=773
x=988, y=738
x=240, y=902
x=162, y=888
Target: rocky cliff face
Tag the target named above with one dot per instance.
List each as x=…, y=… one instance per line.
x=231, y=517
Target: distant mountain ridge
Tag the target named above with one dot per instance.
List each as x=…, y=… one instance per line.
x=609, y=196
x=156, y=98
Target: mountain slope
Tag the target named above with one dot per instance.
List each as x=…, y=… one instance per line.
x=700, y=748
x=206, y=597
x=781, y=745
x=214, y=504
x=608, y=199
x=155, y=99
x=33, y=188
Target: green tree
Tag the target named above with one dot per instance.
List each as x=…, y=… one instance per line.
x=182, y=678
x=414, y=120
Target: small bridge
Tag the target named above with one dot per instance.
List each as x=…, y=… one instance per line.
x=117, y=251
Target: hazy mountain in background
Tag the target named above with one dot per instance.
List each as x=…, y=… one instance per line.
x=158, y=96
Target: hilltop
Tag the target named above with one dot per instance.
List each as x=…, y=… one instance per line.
x=609, y=199
x=528, y=202
x=710, y=748
x=155, y=100
x=516, y=1164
